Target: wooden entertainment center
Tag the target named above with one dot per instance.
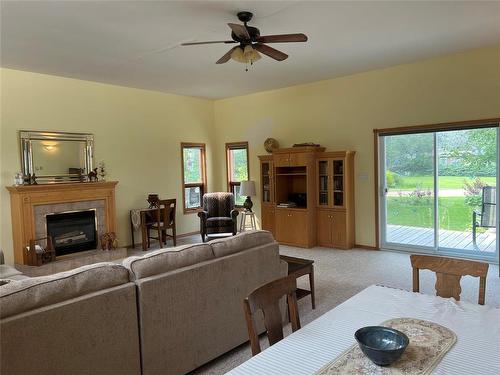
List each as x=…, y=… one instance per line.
x=307, y=196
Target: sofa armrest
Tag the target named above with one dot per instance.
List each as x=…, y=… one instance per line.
x=234, y=214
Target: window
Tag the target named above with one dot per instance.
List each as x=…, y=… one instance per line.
x=194, y=179
x=237, y=168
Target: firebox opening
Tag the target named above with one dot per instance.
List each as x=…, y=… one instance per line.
x=73, y=231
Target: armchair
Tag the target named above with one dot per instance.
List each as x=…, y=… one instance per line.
x=218, y=215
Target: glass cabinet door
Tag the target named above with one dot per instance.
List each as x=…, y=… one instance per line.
x=338, y=182
x=323, y=182
x=267, y=185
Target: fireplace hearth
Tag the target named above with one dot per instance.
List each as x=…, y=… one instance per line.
x=72, y=231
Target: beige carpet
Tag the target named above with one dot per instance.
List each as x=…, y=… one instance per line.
x=341, y=274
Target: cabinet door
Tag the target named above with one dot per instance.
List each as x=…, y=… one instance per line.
x=324, y=228
x=300, y=159
x=267, y=181
x=339, y=235
x=291, y=226
x=324, y=178
x=268, y=218
x=282, y=160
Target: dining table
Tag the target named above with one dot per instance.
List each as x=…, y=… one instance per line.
x=309, y=349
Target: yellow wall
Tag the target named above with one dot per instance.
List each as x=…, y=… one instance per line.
x=341, y=113
x=137, y=134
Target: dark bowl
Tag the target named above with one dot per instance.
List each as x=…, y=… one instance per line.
x=382, y=345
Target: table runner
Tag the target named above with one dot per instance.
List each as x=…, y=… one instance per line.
x=429, y=342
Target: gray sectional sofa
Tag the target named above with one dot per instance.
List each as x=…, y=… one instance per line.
x=167, y=312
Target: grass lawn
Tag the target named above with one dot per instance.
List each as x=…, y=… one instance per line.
x=445, y=182
x=454, y=214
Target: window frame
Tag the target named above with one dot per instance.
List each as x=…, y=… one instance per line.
x=235, y=146
x=202, y=185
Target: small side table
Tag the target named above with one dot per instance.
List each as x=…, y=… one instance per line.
x=298, y=267
x=244, y=215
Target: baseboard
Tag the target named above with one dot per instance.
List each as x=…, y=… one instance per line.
x=129, y=246
x=366, y=247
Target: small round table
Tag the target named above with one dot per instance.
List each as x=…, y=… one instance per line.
x=244, y=215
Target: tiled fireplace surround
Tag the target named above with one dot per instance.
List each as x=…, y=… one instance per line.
x=41, y=211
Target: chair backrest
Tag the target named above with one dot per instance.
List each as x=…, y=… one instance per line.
x=449, y=271
x=218, y=204
x=165, y=212
x=488, y=207
x=267, y=299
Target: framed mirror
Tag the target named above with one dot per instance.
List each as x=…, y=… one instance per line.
x=56, y=156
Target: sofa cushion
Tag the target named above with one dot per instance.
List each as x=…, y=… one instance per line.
x=28, y=294
x=214, y=222
x=165, y=260
x=242, y=241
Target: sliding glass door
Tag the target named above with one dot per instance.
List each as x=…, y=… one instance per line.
x=438, y=191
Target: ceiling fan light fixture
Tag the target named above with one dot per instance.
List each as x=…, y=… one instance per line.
x=251, y=55
x=238, y=55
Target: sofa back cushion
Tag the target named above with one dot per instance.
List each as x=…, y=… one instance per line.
x=193, y=314
x=166, y=260
x=240, y=242
x=25, y=295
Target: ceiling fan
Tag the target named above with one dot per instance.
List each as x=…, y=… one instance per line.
x=251, y=42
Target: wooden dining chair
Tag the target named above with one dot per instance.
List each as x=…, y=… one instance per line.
x=449, y=271
x=163, y=220
x=267, y=299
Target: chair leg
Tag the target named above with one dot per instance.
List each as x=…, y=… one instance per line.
x=160, y=237
x=149, y=237
x=174, y=235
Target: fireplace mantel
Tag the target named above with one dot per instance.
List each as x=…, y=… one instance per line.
x=24, y=199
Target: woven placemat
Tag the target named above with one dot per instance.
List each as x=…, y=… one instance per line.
x=429, y=342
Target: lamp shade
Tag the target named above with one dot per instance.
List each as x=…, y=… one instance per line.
x=247, y=189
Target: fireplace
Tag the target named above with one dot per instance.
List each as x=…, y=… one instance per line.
x=72, y=231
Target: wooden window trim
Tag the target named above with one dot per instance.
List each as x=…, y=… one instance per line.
x=234, y=146
x=202, y=185
x=449, y=126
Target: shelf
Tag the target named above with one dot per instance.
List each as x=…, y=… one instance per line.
x=291, y=174
x=338, y=191
x=338, y=175
x=323, y=191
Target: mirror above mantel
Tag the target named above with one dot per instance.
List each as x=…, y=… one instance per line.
x=56, y=156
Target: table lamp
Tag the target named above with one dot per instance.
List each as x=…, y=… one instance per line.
x=248, y=188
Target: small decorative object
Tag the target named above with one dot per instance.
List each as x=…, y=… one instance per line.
x=81, y=175
x=93, y=175
x=271, y=144
x=19, y=178
x=306, y=144
x=153, y=200
x=382, y=345
x=247, y=188
x=36, y=254
x=102, y=170
x=109, y=241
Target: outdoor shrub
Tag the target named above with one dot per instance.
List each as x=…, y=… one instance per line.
x=473, y=191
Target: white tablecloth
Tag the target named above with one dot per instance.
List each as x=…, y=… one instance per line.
x=477, y=350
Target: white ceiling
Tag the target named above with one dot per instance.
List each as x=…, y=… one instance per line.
x=136, y=43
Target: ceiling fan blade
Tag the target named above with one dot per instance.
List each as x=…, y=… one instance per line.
x=271, y=52
x=227, y=56
x=218, y=41
x=283, y=38
x=239, y=30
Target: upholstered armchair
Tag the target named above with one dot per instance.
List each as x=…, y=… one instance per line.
x=218, y=215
